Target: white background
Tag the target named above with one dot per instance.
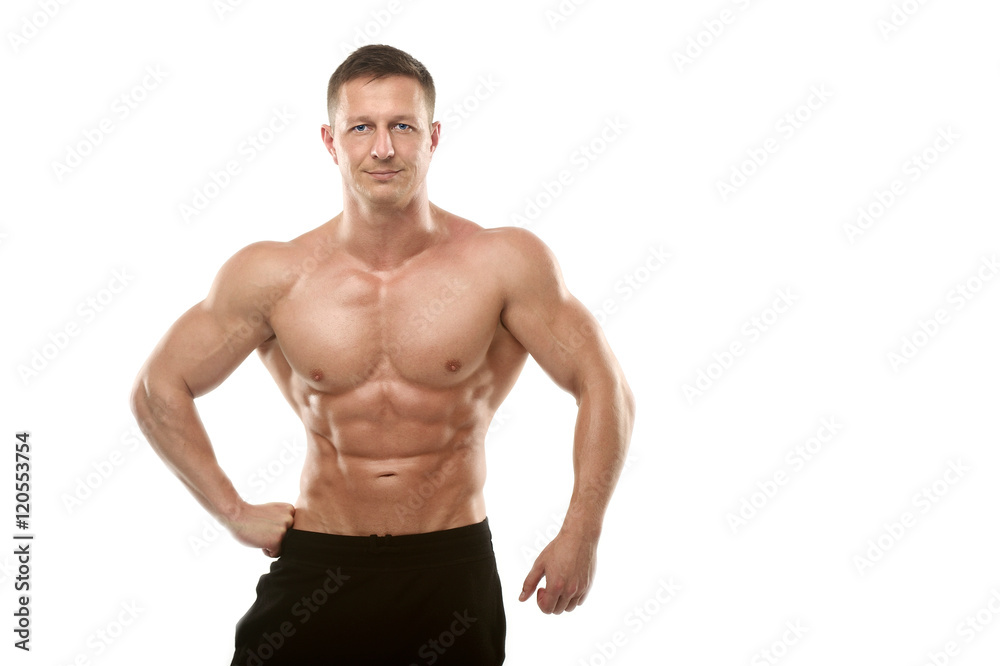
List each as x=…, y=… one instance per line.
x=683, y=127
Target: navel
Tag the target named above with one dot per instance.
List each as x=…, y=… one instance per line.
x=453, y=365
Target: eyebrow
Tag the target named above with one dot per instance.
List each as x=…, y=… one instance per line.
x=366, y=120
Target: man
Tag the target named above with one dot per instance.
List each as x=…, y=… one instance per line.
x=394, y=330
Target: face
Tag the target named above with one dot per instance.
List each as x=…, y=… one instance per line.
x=382, y=140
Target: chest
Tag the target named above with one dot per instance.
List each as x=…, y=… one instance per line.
x=430, y=325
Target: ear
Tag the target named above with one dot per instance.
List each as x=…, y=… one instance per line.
x=326, y=133
x=435, y=135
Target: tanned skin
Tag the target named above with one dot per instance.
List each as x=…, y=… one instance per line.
x=394, y=330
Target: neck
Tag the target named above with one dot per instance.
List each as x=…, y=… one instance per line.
x=387, y=236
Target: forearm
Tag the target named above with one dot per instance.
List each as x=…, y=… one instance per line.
x=601, y=440
x=168, y=418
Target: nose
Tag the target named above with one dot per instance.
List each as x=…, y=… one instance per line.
x=382, y=145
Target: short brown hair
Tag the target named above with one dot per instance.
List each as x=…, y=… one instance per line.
x=376, y=61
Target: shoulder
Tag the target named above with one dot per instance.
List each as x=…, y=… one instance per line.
x=272, y=267
x=270, y=260
x=259, y=256
x=522, y=264
x=259, y=263
x=512, y=247
x=521, y=254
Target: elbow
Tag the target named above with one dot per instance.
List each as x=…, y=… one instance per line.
x=148, y=403
x=628, y=401
x=614, y=391
x=137, y=399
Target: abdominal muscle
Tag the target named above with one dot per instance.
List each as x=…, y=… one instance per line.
x=391, y=476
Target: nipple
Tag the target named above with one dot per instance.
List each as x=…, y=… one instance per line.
x=317, y=375
x=453, y=365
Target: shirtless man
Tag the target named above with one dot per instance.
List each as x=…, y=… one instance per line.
x=394, y=330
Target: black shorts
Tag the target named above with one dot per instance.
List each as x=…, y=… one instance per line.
x=408, y=600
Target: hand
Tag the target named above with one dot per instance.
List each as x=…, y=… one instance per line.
x=568, y=564
x=262, y=525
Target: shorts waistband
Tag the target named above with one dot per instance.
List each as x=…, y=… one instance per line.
x=451, y=546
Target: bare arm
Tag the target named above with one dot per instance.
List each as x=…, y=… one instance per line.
x=567, y=342
x=200, y=350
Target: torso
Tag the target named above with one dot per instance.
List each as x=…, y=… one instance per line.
x=396, y=375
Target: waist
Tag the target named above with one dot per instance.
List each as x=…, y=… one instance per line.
x=451, y=546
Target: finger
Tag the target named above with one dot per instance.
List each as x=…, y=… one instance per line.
x=548, y=600
x=273, y=551
x=562, y=601
x=532, y=581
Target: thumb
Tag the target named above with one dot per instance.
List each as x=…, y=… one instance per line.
x=533, y=579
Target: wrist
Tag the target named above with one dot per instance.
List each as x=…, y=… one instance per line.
x=230, y=510
x=582, y=524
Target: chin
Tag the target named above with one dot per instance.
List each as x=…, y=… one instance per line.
x=384, y=196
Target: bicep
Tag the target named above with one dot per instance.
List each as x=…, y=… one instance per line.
x=209, y=341
x=201, y=349
x=553, y=326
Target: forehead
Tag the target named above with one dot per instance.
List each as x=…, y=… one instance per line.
x=389, y=95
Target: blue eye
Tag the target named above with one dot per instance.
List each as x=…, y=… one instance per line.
x=363, y=127
x=402, y=126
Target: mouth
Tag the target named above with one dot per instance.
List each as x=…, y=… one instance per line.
x=382, y=174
